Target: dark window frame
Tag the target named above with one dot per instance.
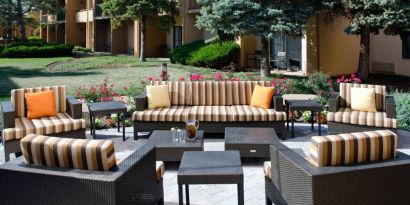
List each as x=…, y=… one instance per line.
x=406, y=51
x=176, y=42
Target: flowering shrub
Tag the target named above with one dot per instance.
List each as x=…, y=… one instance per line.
x=219, y=76
x=97, y=93
x=164, y=75
x=349, y=79
x=196, y=77
x=321, y=85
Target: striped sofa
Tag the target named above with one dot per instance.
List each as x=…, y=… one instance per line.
x=351, y=168
x=216, y=104
x=341, y=118
x=67, y=123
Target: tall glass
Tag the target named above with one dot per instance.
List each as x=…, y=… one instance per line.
x=181, y=135
x=174, y=132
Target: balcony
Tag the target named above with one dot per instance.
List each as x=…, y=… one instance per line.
x=193, y=7
x=84, y=16
x=44, y=19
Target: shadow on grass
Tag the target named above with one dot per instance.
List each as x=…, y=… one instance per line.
x=8, y=72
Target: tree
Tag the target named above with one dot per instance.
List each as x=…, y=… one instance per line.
x=7, y=18
x=129, y=10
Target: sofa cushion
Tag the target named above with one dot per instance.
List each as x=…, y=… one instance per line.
x=207, y=93
x=249, y=113
x=180, y=92
x=374, y=119
x=18, y=101
x=171, y=114
x=62, y=122
x=267, y=169
x=242, y=91
x=211, y=113
x=95, y=155
x=159, y=170
x=346, y=97
x=342, y=149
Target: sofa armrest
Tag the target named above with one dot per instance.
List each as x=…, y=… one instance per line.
x=74, y=107
x=8, y=114
x=141, y=102
x=390, y=107
x=277, y=103
x=334, y=102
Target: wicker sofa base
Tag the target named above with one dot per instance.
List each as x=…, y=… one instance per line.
x=339, y=128
x=13, y=146
x=207, y=127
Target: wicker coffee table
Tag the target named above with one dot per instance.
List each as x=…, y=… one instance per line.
x=302, y=105
x=169, y=150
x=221, y=167
x=250, y=142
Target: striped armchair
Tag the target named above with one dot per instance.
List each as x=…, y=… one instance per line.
x=216, y=104
x=67, y=123
x=341, y=118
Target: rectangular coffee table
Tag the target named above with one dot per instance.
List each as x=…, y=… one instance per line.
x=213, y=167
x=169, y=150
x=249, y=141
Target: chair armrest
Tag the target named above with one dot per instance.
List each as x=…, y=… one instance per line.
x=8, y=114
x=334, y=102
x=277, y=103
x=141, y=102
x=390, y=107
x=74, y=107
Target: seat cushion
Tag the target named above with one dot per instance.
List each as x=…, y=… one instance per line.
x=267, y=169
x=94, y=155
x=374, y=119
x=171, y=114
x=159, y=170
x=249, y=113
x=343, y=149
x=346, y=95
x=211, y=113
x=62, y=122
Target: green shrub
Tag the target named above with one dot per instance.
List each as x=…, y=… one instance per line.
x=182, y=53
x=402, y=109
x=82, y=49
x=1, y=49
x=35, y=38
x=30, y=51
x=215, y=55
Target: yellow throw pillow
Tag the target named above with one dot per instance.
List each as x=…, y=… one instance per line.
x=158, y=96
x=363, y=99
x=262, y=96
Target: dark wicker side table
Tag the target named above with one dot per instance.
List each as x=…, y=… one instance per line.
x=302, y=105
x=217, y=167
x=105, y=108
x=169, y=150
x=249, y=141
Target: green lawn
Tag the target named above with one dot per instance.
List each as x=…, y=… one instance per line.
x=73, y=72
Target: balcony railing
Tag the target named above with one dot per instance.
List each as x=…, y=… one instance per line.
x=83, y=16
x=193, y=5
x=44, y=19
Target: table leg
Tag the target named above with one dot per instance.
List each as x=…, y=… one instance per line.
x=91, y=124
x=187, y=193
x=311, y=118
x=93, y=127
x=181, y=194
x=318, y=122
x=240, y=194
x=123, y=126
x=293, y=123
x=287, y=116
x=118, y=121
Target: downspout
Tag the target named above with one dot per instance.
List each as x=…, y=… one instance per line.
x=318, y=41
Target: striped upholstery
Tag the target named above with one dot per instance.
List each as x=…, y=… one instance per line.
x=242, y=91
x=267, y=169
x=18, y=101
x=374, y=119
x=345, y=95
x=94, y=155
x=159, y=170
x=211, y=113
x=180, y=92
x=353, y=148
x=249, y=113
x=171, y=114
x=211, y=93
x=62, y=122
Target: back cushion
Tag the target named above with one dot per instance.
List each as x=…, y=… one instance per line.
x=353, y=148
x=346, y=98
x=242, y=91
x=180, y=92
x=18, y=101
x=212, y=93
x=94, y=155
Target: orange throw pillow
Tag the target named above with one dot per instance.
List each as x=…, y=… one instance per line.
x=262, y=96
x=40, y=104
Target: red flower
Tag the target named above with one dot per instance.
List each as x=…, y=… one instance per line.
x=181, y=79
x=125, y=88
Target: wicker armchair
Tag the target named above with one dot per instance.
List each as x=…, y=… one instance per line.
x=293, y=180
x=133, y=181
x=67, y=123
x=341, y=118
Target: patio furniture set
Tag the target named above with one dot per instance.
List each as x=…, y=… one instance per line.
x=358, y=164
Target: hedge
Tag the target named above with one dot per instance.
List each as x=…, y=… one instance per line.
x=30, y=51
x=402, y=109
x=215, y=55
x=1, y=49
x=182, y=53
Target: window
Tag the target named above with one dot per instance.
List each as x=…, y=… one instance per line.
x=406, y=47
x=286, y=52
x=177, y=36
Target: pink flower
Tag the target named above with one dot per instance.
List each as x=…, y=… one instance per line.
x=150, y=78
x=353, y=75
x=92, y=89
x=338, y=80
x=235, y=79
x=278, y=92
x=109, y=99
x=218, y=76
x=248, y=74
x=98, y=99
x=103, y=99
x=196, y=77
x=181, y=79
x=125, y=88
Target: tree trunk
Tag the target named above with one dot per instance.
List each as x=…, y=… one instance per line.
x=9, y=23
x=143, y=33
x=364, y=59
x=20, y=21
x=264, y=61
